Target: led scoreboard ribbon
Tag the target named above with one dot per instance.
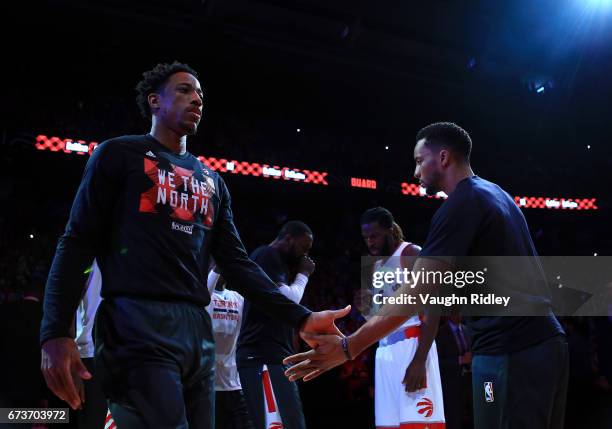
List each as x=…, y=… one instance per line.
x=222, y=165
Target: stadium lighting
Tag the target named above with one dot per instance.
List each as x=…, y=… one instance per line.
x=598, y=4
x=540, y=84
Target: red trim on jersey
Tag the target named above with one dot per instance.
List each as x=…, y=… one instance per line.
x=412, y=332
x=265, y=378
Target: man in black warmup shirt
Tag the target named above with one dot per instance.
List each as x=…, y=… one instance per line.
x=152, y=215
x=263, y=341
x=520, y=363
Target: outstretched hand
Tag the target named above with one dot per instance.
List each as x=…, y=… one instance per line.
x=326, y=355
x=64, y=371
x=322, y=322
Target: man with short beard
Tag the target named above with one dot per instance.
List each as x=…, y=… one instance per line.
x=407, y=385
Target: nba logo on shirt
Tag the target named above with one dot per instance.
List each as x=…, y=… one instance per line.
x=488, y=388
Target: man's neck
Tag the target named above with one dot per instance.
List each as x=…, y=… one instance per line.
x=394, y=248
x=455, y=176
x=175, y=142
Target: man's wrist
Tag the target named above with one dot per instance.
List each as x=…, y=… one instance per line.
x=58, y=337
x=354, y=347
x=345, y=348
x=304, y=320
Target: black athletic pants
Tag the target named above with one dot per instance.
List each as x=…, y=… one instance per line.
x=93, y=414
x=155, y=361
x=231, y=410
x=522, y=390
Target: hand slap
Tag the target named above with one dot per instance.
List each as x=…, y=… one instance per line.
x=309, y=365
x=322, y=322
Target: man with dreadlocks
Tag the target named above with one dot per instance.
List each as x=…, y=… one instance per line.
x=152, y=216
x=407, y=386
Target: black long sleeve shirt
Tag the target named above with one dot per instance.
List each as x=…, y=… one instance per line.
x=152, y=218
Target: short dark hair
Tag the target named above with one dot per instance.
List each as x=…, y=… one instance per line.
x=294, y=228
x=154, y=79
x=449, y=135
x=378, y=214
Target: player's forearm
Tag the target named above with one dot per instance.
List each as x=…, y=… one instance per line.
x=429, y=330
x=391, y=316
x=295, y=291
x=64, y=288
x=376, y=328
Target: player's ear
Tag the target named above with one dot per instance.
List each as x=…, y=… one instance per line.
x=444, y=157
x=153, y=100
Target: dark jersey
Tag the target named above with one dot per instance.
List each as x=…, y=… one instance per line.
x=481, y=219
x=262, y=339
x=152, y=218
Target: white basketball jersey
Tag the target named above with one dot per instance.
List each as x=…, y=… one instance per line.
x=391, y=265
x=226, y=313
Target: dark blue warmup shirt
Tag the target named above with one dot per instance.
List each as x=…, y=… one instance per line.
x=262, y=339
x=481, y=219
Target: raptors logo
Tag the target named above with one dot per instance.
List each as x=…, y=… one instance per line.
x=425, y=407
x=178, y=192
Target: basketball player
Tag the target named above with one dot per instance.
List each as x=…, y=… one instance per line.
x=519, y=364
x=407, y=384
x=225, y=310
x=263, y=343
x=152, y=215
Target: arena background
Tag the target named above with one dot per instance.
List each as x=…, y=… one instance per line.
x=338, y=87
